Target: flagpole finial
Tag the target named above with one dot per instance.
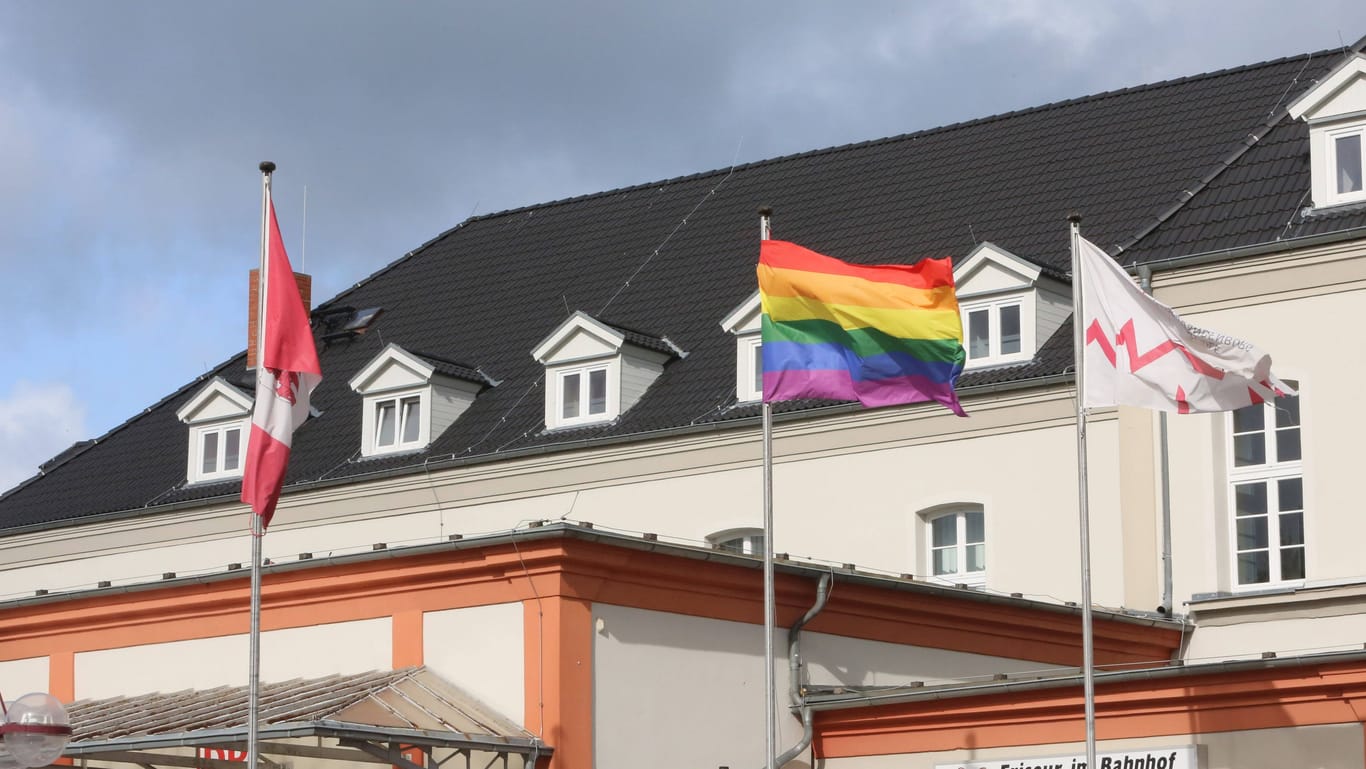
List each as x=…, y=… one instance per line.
x=1074, y=217
x=765, y=210
x=267, y=167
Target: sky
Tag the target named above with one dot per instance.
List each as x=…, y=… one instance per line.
x=131, y=132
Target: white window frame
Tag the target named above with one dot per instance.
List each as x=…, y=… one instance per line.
x=993, y=309
x=1269, y=473
x=610, y=372
x=1331, y=137
x=749, y=387
x=746, y=541
x=370, y=422
x=959, y=514
x=195, y=472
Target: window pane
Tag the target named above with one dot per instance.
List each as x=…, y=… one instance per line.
x=210, y=464
x=944, y=531
x=412, y=424
x=976, y=527
x=1250, y=498
x=232, y=440
x=977, y=557
x=1253, y=567
x=1249, y=449
x=1292, y=563
x=1290, y=494
x=597, y=391
x=1349, y=163
x=384, y=421
x=569, y=387
x=1010, y=329
x=758, y=370
x=1288, y=411
x=946, y=561
x=1249, y=418
x=1288, y=444
x=979, y=334
x=1292, y=529
x=1251, y=533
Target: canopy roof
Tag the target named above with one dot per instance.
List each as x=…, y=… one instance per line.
x=368, y=718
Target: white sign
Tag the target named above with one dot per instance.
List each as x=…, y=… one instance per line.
x=1157, y=758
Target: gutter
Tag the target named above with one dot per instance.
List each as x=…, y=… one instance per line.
x=585, y=533
x=845, y=701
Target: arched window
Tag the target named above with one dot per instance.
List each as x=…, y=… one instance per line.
x=956, y=544
x=744, y=541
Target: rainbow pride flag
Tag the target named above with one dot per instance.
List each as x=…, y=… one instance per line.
x=880, y=335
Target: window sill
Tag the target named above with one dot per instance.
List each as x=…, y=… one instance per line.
x=1333, y=209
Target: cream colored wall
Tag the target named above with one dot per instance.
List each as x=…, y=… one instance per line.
x=1306, y=747
x=706, y=685
x=1290, y=307
x=19, y=677
x=481, y=650
x=308, y=652
x=706, y=681
x=871, y=471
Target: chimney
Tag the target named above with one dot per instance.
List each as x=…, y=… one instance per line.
x=305, y=284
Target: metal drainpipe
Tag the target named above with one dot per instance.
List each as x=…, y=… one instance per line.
x=794, y=670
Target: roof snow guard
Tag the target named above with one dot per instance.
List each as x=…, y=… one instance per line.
x=369, y=718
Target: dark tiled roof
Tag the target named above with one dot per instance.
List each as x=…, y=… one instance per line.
x=677, y=256
x=457, y=370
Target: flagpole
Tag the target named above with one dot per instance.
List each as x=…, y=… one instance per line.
x=257, y=531
x=1087, y=640
x=770, y=621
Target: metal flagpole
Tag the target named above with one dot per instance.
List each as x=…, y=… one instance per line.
x=770, y=696
x=1087, y=641
x=254, y=643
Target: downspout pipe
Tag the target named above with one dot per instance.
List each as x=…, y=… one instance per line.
x=794, y=672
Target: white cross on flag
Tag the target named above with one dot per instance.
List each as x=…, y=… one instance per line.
x=287, y=370
x=1138, y=351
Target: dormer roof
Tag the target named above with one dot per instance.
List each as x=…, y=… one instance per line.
x=1342, y=94
x=216, y=400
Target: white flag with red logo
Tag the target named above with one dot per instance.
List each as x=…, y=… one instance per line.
x=1138, y=351
x=287, y=370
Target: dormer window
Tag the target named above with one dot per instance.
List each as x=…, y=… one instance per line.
x=398, y=423
x=409, y=399
x=993, y=331
x=596, y=371
x=1346, y=163
x=583, y=394
x=1337, y=133
x=220, y=451
x=1009, y=307
x=219, y=418
x=744, y=323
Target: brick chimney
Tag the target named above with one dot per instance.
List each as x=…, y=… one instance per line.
x=305, y=284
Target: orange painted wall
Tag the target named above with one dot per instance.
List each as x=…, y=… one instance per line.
x=1273, y=697
x=557, y=579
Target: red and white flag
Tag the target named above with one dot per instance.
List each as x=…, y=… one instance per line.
x=287, y=370
x=1140, y=353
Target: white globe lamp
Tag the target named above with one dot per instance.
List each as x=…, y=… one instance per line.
x=35, y=729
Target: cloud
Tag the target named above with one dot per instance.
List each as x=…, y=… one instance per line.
x=37, y=421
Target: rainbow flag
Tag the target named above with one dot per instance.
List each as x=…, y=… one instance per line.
x=881, y=335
